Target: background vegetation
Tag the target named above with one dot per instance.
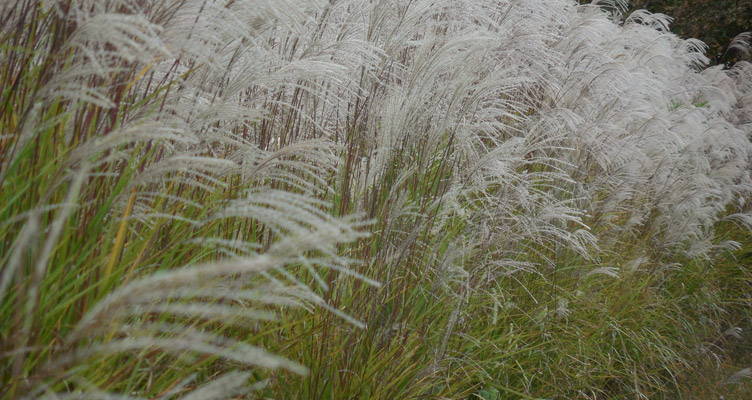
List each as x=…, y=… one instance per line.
x=356, y=199
x=713, y=22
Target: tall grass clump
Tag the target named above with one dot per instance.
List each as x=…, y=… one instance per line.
x=365, y=199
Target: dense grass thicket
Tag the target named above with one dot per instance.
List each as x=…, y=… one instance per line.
x=368, y=199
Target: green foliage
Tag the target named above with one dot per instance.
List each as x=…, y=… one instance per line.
x=715, y=22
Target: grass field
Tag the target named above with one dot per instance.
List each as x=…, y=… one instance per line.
x=358, y=199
